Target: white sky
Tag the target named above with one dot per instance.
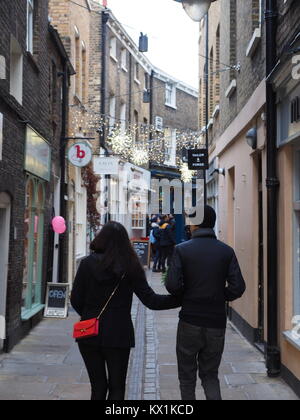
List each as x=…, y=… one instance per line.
x=173, y=36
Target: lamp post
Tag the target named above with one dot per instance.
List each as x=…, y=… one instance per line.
x=196, y=10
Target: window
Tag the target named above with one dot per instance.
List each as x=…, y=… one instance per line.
x=30, y=25
x=77, y=63
x=124, y=59
x=16, y=70
x=136, y=126
x=170, y=147
x=112, y=112
x=170, y=95
x=113, y=48
x=33, y=247
x=217, y=75
x=123, y=118
x=137, y=72
x=297, y=234
x=84, y=74
x=146, y=82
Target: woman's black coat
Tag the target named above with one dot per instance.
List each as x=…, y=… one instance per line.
x=93, y=287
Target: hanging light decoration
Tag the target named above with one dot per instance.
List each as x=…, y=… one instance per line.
x=139, y=156
x=186, y=174
x=120, y=144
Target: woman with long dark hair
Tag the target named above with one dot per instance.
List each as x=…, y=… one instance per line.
x=113, y=264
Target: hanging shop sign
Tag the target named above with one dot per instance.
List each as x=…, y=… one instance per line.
x=106, y=166
x=37, y=155
x=80, y=154
x=57, y=300
x=198, y=159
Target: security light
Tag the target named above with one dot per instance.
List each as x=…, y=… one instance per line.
x=251, y=138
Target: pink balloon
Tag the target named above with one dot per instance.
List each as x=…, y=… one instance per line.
x=59, y=225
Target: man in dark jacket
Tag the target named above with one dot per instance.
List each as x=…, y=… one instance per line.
x=206, y=273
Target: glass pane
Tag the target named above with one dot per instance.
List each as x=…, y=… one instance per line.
x=297, y=267
x=38, y=246
x=27, y=228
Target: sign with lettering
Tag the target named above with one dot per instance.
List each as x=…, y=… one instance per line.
x=106, y=166
x=198, y=159
x=37, y=155
x=143, y=250
x=80, y=154
x=57, y=300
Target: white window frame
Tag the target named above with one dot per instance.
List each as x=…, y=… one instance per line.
x=124, y=59
x=170, y=95
x=30, y=27
x=137, y=73
x=113, y=48
x=172, y=149
x=123, y=118
x=112, y=112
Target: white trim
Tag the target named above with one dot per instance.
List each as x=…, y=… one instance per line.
x=216, y=111
x=114, y=58
x=231, y=89
x=137, y=81
x=255, y=40
x=289, y=337
x=166, y=78
x=210, y=123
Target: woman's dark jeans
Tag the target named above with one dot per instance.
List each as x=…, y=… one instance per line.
x=199, y=350
x=107, y=370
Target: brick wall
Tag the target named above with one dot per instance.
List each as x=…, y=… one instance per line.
x=45, y=118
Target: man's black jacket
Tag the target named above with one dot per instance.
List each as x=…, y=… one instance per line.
x=206, y=272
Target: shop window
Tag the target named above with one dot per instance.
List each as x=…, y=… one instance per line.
x=297, y=235
x=16, y=70
x=33, y=247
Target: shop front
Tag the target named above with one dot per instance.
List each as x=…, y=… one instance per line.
x=288, y=139
x=37, y=167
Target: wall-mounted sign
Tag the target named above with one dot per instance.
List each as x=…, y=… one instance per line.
x=106, y=166
x=198, y=159
x=37, y=155
x=80, y=154
x=57, y=300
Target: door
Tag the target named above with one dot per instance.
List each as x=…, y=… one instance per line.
x=5, y=206
x=261, y=303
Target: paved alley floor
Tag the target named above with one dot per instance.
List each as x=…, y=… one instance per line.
x=46, y=365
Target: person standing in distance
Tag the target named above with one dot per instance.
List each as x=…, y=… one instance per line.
x=206, y=273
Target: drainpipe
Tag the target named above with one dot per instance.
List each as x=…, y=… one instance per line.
x=104, y=20
x=272, y=183
x=206, y=99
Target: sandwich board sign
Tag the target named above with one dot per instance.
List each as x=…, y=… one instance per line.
x=57, y=300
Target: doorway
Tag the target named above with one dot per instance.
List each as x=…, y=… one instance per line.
x=5, y=206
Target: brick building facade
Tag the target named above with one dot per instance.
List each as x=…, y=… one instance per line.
x=31, y=124
x=237, y=145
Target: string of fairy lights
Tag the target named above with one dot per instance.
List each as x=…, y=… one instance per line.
x=139, y=143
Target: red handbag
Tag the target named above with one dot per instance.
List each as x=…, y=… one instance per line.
x=90, y=327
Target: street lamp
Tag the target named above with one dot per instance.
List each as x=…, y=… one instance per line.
x=196, y=9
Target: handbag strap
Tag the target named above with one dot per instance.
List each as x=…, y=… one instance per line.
x=111, y=296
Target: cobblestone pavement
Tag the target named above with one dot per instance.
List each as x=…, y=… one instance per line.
x=242, y=374
x=46, y=365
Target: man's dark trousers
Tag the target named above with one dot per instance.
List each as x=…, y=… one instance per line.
x=199, y=350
